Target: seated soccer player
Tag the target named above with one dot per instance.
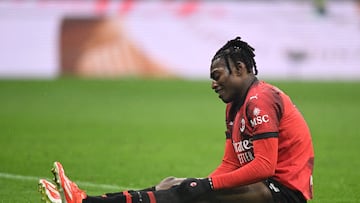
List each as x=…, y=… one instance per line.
x=268, y=156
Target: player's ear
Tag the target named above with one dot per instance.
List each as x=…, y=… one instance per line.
x=240, y=68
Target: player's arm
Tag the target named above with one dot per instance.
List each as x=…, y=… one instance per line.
x=269, y=107
x=262, y=167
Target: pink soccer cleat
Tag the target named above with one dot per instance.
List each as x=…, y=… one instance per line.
x=69, y=191
x=48, y=191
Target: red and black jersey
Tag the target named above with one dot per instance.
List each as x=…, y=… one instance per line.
x=266, y=137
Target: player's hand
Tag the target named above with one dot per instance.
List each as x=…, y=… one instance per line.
x=192, y=188
x=168, y=183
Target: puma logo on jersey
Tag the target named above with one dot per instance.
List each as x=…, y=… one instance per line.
x=254, y=97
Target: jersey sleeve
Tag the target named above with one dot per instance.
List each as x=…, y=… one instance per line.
x=264, y=113
x=262, y=167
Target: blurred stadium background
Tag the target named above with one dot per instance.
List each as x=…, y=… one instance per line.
x=119, y=91
x=294, y=39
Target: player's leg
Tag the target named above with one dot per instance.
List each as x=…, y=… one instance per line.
x=164, y=184
x=71, y=193
x=125, y=197
x=145, y=195
x=253, y=193
x=283, y=194
x=268, y=191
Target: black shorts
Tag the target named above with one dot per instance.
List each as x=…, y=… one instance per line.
x=284, y=194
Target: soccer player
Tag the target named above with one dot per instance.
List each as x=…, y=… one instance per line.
x=268, y=156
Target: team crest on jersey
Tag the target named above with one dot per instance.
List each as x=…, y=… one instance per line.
x=256, y=111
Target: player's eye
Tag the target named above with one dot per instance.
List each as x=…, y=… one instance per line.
x=215, y=76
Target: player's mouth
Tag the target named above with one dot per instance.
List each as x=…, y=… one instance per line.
x=219, y=91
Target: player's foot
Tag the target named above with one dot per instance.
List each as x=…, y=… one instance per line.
x=48, y=191
x=69, y=191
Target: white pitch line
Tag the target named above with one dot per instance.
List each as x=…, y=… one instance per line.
x=85, y=184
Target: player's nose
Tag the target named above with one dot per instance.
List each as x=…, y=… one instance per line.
x=214, y=84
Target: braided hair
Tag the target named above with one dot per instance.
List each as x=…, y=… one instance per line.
x=237, y=50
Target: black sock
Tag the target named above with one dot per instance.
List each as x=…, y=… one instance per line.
x=130, y=191
x=124, y=197
x=149, y=189
x=113, y=199
x=166, y=196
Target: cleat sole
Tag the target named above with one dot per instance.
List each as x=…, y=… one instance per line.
x=55, y=172
x=43, y=198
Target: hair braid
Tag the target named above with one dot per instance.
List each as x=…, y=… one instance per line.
x=238, y=50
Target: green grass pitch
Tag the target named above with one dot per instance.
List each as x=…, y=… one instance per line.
x=131, y=133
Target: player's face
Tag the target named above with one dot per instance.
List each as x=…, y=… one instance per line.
x=224, y=83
